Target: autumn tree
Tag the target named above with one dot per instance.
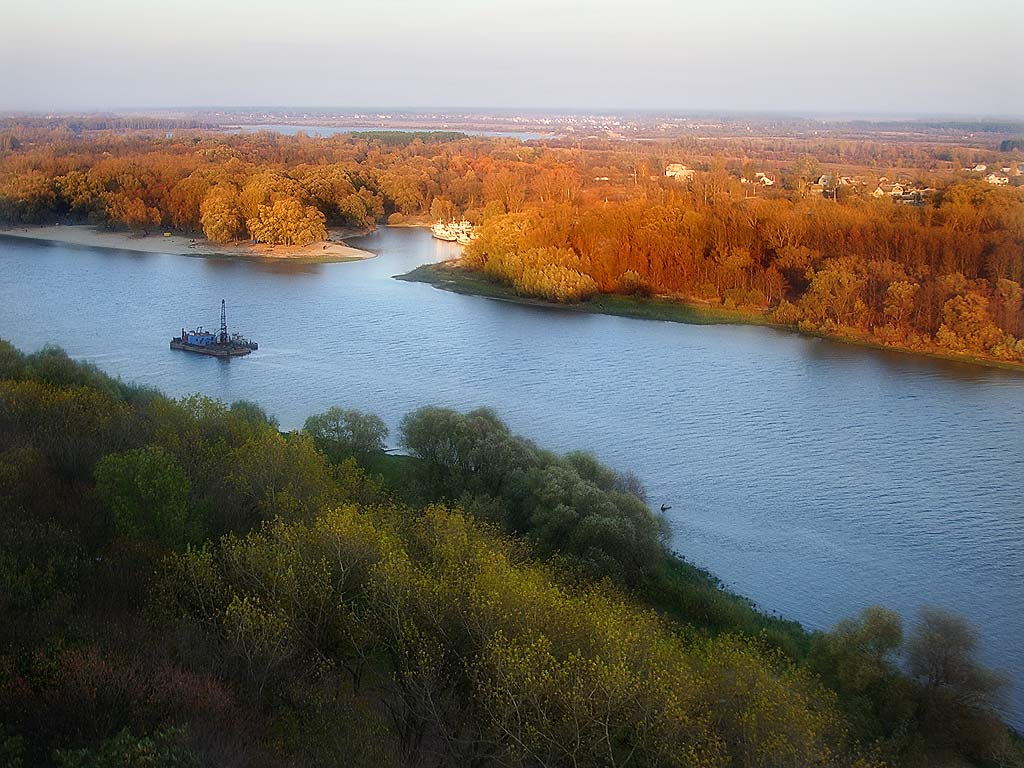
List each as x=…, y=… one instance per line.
x=899, y=301
x=28, y=197
x=82, y=195
x=131, y=211
x=966, y=325
x=442, y=209
x=287, y=222
x=220, y=217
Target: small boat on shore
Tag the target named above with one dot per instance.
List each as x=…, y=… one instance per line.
x=215, y=344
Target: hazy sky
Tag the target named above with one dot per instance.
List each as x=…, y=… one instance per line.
x=854, y=56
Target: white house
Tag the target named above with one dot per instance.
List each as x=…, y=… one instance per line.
x=764, y=178
x=679, y=172
x=999, y=181
x=892, y=190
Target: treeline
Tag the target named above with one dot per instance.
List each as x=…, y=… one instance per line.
x=226, y=186
x=946, y=275
x=182, y=584
x=900, y=152
x=273, y=188
x=563, y=224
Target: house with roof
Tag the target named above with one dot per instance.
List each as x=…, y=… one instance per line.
x=679, y=172
x=892, y=190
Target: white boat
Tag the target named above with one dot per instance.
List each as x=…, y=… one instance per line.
x=443, y=231
x=453, y=231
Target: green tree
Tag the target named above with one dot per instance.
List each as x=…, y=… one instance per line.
x=253, y=413
x=961, y=696
x=342, y=433
x=941, y=653
x=147, y=492
x=166, y=748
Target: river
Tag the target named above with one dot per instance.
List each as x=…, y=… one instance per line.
x=817, y=478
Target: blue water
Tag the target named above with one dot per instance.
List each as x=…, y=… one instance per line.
x=816, y=478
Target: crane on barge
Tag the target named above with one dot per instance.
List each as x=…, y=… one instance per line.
x=219, y=344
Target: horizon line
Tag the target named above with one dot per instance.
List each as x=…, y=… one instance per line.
x=833, y=115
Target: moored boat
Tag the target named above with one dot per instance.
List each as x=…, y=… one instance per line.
x=215, y=344
x=453, y=231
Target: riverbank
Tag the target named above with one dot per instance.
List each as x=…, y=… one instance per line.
x=448, y=276
x=334, y=250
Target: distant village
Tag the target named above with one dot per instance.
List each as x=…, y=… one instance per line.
x=901, y=190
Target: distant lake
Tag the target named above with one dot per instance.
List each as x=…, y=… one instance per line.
x=816, y=478
x=329, y=130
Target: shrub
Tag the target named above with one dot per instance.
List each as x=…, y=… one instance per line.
x=630, y=283
x=787, y=313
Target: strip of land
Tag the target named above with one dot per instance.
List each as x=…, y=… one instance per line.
x=450, y=276
x=82, y=234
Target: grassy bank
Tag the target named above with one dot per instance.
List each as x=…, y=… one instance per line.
x=474, y=284
x=677, y=589
x=452, y=278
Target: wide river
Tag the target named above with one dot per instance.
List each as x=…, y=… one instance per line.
x=816, y=478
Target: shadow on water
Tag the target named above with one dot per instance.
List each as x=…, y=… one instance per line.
x=892, y=362
x=265, y=266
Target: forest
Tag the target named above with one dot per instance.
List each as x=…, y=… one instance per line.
x=184, y=584
x=939, y=269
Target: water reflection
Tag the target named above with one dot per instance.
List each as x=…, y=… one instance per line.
x=264, y=266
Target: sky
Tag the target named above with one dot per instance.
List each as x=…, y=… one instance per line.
x=805, y=56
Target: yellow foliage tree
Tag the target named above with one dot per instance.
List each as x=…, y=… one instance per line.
x=287, y=222
x=219, y=215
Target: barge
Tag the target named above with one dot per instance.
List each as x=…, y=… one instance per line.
x=214, y=343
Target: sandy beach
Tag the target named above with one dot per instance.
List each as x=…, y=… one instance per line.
x=84, y=234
